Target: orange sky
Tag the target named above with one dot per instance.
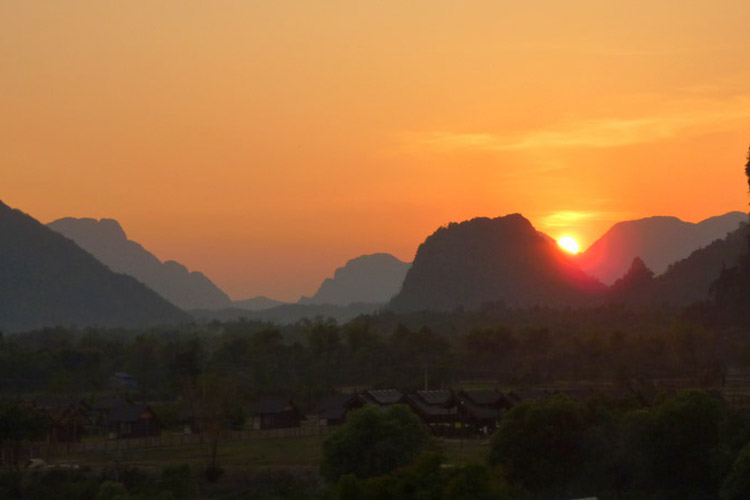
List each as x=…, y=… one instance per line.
x=267, y=142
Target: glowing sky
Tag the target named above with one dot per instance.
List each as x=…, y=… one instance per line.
x=267, y=142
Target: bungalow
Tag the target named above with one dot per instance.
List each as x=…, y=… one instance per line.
x=133, y=420
x=481, y=411
x=438, y=409
x=332, y=410
x=275, y=413
x=68, y=419
x=382, y=398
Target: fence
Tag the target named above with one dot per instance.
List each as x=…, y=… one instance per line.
x=49, y=450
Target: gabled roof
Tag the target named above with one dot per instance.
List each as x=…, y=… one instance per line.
x=129, y=413
x=427, y=409
x=383, y=397
x=439, y=397
x=62, y=410
x=335, y=406
x=273, y=405
x=480, y=412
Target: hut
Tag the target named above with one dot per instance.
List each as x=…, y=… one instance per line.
x=275, y=413
x=332, y=409
x=133, y=420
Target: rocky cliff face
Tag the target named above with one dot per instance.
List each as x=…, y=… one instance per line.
x=658, y=241
x=106, y=240
x=47, y=280
x=487, y=260
x=374, y=278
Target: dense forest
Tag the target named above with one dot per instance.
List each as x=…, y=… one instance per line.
x=634, y=419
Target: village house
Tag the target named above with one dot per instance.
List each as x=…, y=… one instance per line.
x=481, y=411
x=68, y=419
x=382, y=398
x=275, y=413
x=332, y=409
x=132, y=421
x=438, y=409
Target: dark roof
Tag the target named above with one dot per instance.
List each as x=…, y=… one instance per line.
x=427, y=409
x=61, y=410
x=480, y=412
x=383, y=396
x=335, y=406
x=129, y=413
x=273, y=405
x=441, y=397
x=485, y=398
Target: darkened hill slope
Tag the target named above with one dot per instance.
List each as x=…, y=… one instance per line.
x=46, y=279
x=259, y=303
x=374, y=278
x=484, y=260
x=658, y=241
x=106, y=240
x=689, y=280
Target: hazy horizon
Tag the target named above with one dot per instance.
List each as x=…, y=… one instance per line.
x=265, y=144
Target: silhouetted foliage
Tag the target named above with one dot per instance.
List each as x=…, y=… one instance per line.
x=374, y=442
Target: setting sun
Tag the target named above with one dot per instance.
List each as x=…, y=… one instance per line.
x=568, y=244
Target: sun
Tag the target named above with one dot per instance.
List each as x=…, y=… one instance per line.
x=568, y=244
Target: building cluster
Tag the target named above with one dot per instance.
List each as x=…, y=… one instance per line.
x=447, y=412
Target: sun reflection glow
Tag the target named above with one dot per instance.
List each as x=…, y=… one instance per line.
x=568, y=244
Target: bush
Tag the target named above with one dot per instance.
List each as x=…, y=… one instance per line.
x=373, y=442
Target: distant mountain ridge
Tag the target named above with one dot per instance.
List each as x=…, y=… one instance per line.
x=487, y=260
x=260, y=303
x=48, y=280
x=373, y=279
x=688, y=280
x=658, y=241
x=106, y=240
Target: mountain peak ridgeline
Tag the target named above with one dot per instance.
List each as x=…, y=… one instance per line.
x=106, y=240
x=487, y=260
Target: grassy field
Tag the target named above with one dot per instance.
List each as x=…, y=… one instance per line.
x=305, y=451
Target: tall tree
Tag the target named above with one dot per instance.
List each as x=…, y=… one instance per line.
x=747, y=173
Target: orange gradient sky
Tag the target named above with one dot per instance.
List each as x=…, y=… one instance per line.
x=267, y=142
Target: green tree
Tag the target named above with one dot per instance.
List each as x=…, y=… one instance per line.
x=18, y=424
x=539, y=443
x=684, y=437
x=374, y=442
x=736, y=485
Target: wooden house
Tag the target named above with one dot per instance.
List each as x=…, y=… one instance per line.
x=67, y=419
x=438, y=409
x=382, y=398
x=133, y=420
x=481, y=411
x=275, y=413
x=332, y=410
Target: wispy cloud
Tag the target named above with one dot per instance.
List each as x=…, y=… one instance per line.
x=566, y=218
x=602, y=133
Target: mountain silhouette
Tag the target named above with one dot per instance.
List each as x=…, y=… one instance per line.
x=106, y=240
x=374, y=278
x=688, y=280
x=47, y=280
x=260, y=303
x=658, y=241
x=486, y=260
